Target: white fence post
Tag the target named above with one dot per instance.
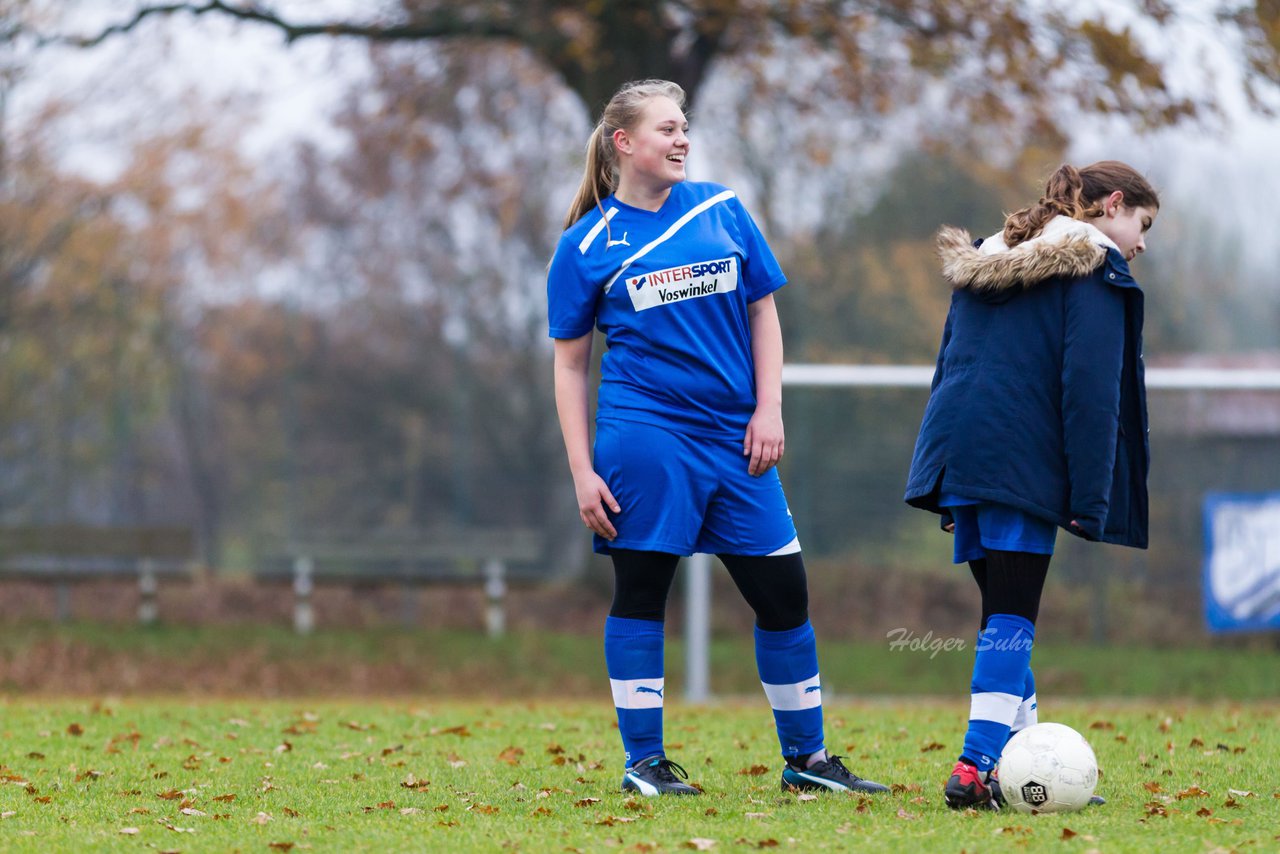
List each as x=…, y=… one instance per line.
x=495, y=592
x=148, y=587
x=304, y=619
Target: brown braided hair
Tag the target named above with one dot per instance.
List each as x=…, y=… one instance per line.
x=1079, y=194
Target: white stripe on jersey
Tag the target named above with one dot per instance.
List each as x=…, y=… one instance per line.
x=994, y=706
x=795, y=697
x=789, y=549
x=670, y=232
x=637, y=693
x=595, y=231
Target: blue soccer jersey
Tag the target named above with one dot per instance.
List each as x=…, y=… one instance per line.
x=669, y=289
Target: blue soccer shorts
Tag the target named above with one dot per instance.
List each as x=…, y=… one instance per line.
x=682, y=494
x=986, y=525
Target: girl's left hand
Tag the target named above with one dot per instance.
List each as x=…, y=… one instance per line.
x=764, y=440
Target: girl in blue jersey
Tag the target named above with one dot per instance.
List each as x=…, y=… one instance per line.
x=688, y=424
x=1037, y=420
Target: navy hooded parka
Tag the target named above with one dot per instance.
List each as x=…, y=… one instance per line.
x=1039, y=400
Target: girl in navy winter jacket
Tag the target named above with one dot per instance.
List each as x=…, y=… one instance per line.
x=1037, y=420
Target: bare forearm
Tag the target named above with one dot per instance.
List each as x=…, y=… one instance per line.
x=595, y=500
x=571, y=368
x=766, y=350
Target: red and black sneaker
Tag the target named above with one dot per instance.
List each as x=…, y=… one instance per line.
x=967, y=789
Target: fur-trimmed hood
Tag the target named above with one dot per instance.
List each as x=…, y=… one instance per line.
x=1065, y=247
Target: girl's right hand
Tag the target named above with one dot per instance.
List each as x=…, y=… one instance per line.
x=593, y=497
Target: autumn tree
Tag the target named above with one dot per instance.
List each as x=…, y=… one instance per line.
x=403, y=382
x=430, y=398
x=99, y=386
x=1018, y=62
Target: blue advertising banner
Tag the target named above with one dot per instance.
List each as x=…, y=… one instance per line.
x=1242, y=561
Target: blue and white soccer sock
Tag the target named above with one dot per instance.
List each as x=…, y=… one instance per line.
x=788, y=666
x=633, y=654
x=1000, y=669
x=1028, y=714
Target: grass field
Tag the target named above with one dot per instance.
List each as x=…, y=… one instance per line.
x=87, y=659
x=542, y=775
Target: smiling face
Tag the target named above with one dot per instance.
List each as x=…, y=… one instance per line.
x=1126, y=226
x=651, y=155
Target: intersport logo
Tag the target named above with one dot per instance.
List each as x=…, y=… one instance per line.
x=689, y=281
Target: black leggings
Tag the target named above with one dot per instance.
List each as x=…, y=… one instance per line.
x=1011, y=583
x=775, y=587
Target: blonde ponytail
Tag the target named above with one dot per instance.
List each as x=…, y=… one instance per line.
x=598, y=178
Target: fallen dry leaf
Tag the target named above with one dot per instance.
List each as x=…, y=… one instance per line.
x=1014, y=830
x=129, y=831
x=75, y=729
x=699, y=844
x=1192, y=792
x=1068, y=833
x=754, y=770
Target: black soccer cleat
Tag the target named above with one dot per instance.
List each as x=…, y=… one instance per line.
x=656, y=775
x=829, y=775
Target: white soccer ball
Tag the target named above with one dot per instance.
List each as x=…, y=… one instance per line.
x=1048, y=768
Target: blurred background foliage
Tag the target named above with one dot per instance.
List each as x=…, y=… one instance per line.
x=351, y=337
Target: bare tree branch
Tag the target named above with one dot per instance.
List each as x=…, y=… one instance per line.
x=440, y=24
